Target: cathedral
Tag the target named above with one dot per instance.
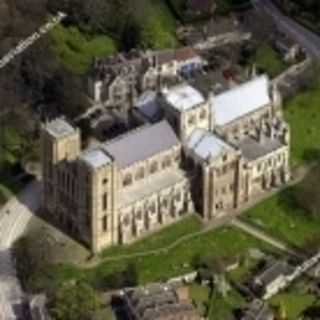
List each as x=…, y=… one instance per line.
x=190, y=153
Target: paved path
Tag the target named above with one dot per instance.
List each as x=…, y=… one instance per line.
x=14, y=218
x=307, y=39
x=262, y=235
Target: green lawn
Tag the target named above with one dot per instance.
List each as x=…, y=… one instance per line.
x=200, y=296
x=294, y=303
x=223, y=308
x=199, y=293
x=217, y=306
x=224, y=242
x=303, y=115
x=281, y=217
x=219, y=243
x=76, y=50
x=161, y=239
x=244, y=270
x=268, y=60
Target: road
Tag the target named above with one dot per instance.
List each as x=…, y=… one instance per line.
x=14, y=218
x=307, y=39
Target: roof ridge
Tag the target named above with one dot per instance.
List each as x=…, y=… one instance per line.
x=245, y=84
x=128, y=133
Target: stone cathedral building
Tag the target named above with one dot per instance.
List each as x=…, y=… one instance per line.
x=190, y=153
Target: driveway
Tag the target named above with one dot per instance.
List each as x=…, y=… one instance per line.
x=14, y=218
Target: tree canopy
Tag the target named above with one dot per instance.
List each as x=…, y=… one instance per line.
x=307, y=193
x=76, y=301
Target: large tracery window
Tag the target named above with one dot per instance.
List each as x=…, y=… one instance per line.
x=203, y=114
x=126, y=220
x=127, y=180
x=154, y=167
x=140, y=174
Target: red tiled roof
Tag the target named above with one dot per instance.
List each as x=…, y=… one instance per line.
x=185, y=54
x=180, y=54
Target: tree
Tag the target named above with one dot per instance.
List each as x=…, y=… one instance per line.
x=120, y=279
x=33, y=255
x=77, y=301
x=307, y=193
x=153, y=35
x=131, y=275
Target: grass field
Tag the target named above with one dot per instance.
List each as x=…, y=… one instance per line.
x=200, y=296
x=223, y=308
x=281, y=217
x=303, y=114
x=76, y=51
x=217, y=306
x=268, y=60
x=294, y=303
x=224, y=242
x=159, y=240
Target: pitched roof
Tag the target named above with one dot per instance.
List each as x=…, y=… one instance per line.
x=181, y=54
x=206, y=145
x=246, y=98
x=183, y=97
x=272, y=272
x=185, y=53
x=157, y=302
x=253, y=149
x=142, y=144
x=95, y=158
x=149, y=106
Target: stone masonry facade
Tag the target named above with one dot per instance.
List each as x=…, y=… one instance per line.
x=205, y=154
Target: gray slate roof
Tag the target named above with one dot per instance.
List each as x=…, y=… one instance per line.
x=252, y=149
x=149, y=106
x=95, y=158
x=241, y=100
x=206, y=144
x=272, y=272
x=157, y=302
x=141, y=144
